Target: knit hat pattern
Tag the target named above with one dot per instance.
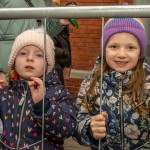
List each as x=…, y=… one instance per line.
x=33, y=37
x=133, y=26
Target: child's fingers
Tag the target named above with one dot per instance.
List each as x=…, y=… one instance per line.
x=104, y=114
x=36, y=84
x=37, y=81
x=37, y=88
x=1, y=82
x=98, y=129
x=31, y=83
x=97, y=123
x=98, y=126
x=98, y=136
x=100, y=117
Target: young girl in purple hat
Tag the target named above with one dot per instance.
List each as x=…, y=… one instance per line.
x=124, y=120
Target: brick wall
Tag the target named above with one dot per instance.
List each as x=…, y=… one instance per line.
x=85, y=41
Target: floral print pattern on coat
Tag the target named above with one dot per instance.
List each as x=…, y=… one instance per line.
x=136, y=129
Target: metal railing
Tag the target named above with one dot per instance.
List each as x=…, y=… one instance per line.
x=142, y=11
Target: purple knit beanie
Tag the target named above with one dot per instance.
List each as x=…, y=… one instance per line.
x=133, y=26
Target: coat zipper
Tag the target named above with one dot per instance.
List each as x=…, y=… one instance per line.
x=22, y=101
x=121, y=115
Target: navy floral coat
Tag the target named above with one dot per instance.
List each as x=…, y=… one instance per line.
x=126, y=129
x=22, y=122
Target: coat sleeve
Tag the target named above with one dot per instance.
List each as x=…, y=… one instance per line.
x=1, y=69
x=53, y=27
x=146, y=67
x=83, y=131
x=60, y=116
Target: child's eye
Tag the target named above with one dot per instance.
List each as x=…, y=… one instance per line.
x=39, y=55
x=113, y=46
x=131, y=47
x=22, y=53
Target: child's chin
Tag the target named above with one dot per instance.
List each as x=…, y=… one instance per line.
x=121, y=70
x=28, y=77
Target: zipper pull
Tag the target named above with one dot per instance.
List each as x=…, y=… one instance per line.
x=22, y=99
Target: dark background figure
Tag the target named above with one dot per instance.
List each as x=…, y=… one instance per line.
x=63, y=51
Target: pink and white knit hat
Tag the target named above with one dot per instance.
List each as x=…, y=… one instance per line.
x=33, y=37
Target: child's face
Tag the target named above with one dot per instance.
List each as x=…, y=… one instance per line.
x=122, y=52
x=29, y=62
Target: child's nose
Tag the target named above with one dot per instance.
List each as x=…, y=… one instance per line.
x=30, y=57
x=122, y=52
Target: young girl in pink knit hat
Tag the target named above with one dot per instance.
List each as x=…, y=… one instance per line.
x=21, y=102
x=116, y=114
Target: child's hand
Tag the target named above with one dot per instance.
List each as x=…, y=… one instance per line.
x=98, y=127
x=57, y=2
x=64, y=21
x=37, y=88
x=3, y=81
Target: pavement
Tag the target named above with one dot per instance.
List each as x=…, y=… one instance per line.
x=71, y=144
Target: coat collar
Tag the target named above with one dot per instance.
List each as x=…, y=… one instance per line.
x=50, y=79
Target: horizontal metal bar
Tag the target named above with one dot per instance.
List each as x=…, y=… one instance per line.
x=142, y=11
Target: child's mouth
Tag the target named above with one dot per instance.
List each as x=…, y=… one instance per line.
x=29, y=67
x=121, y=63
